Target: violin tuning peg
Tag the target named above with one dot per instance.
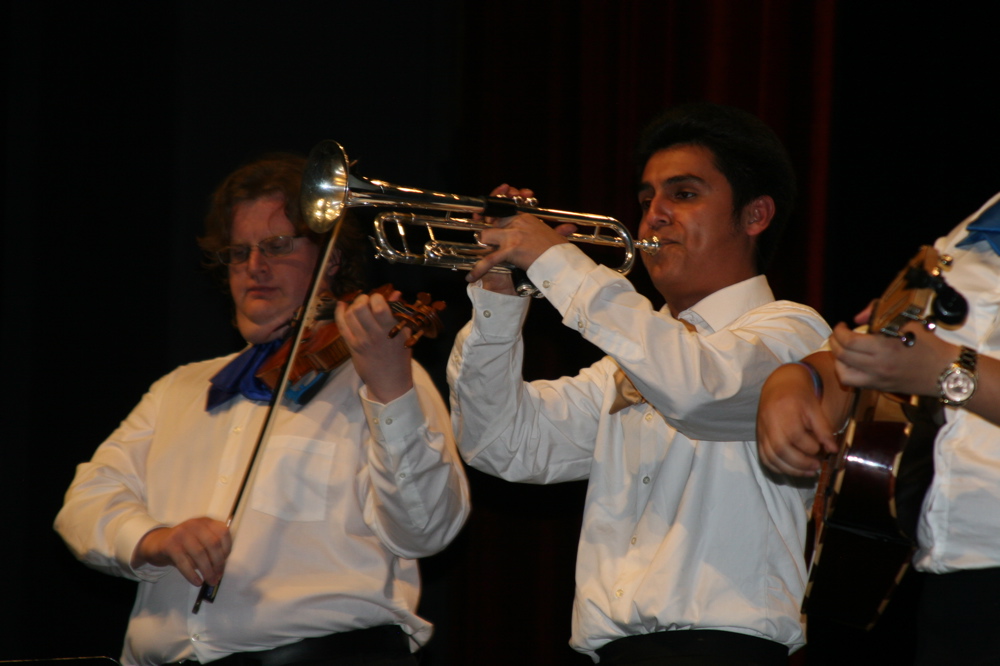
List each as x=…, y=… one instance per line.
x=414, y=338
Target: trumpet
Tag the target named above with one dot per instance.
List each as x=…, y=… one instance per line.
x=329, y=189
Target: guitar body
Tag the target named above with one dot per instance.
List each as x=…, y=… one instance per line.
x=870, y=508
x=868, y=500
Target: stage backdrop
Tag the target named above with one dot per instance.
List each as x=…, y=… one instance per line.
x=120, y=121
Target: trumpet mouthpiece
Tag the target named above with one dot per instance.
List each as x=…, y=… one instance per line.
x=649, y=245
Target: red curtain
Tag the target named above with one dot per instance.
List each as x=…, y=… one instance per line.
x=558, y=92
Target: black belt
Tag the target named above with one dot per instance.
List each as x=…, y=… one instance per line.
x=723, y=647
x=385, y=642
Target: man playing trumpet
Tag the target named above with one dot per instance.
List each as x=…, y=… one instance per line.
x=688, y=548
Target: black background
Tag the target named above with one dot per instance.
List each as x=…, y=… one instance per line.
x=121, y=120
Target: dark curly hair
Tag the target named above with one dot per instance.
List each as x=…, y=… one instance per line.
x=278, y=174
x=746, y=151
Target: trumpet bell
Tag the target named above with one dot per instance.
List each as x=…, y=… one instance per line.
x=325, y=186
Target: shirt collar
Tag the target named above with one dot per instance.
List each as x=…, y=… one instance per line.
x=720, y=308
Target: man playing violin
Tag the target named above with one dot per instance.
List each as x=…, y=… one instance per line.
x=958, y=533
x=689, y=552
x=351, y=487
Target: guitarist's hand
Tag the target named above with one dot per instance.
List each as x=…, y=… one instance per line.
x=793, y=431
x=883, y=363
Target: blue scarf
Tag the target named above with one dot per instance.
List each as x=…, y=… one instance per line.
x=239, y=376
x=985, y=227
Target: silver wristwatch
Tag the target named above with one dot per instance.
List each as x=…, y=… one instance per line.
x=958, y=382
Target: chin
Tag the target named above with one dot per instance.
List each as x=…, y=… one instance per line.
x=253, y=336
x=258, y=333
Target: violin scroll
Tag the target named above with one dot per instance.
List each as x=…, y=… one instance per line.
x=421, y=317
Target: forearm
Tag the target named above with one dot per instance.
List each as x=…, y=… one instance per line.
x=986, y=400
x=538, y=432
x=417, y=498
x=835, y=398
x=935, y=357
x=801, y=406
x=882, y=363
x=102, y=520
x=705, y=383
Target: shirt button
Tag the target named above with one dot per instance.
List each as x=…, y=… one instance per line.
x=388, y=421
x=375, y=420
x=645, y=479
x=223, y=479
x=196, y=637
x=649, y=417
x=402, y=475
x=546, y=284
x=238, y=429
x=487, y=314
x=579, y=323
x=633, y=541
x=619, y=592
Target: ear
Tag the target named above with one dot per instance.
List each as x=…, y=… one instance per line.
x=334, y=265
x=757, y=215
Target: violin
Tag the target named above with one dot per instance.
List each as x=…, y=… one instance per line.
x=322, y=349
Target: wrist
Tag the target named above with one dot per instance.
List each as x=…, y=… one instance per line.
x=500, y=283
x=815, y=378
x=958, y=382
x=146, y=549
x=386, y=394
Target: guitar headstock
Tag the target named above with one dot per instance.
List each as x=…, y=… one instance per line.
x=919, y=293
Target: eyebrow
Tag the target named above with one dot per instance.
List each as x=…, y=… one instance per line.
x=673, y=180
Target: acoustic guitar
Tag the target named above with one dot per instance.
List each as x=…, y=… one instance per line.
x=869, y=498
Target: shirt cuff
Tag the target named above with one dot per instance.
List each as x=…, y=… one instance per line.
x=559, y=272
x=392, y=422
x=497, y=316
x=128, y=538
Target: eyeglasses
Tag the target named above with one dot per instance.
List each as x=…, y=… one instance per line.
x=275, y=246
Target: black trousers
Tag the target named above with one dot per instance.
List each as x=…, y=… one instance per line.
x=959, y=619
x=378, y=646
x=702, y=647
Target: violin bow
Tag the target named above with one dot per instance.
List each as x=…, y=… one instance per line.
x=299, y=324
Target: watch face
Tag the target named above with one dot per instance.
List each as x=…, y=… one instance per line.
x=957, y=385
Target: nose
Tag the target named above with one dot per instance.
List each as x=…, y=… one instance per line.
x=257, y=262
x=657, y=214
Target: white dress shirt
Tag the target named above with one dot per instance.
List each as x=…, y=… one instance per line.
x=348, y=492
x=682, y=528
x=960, y=523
